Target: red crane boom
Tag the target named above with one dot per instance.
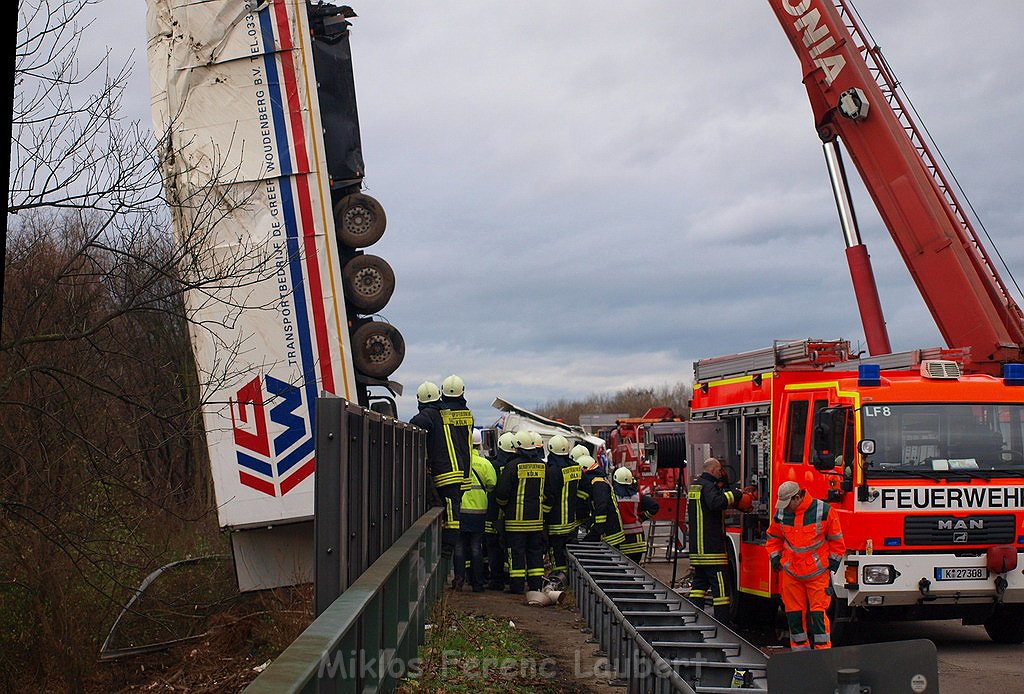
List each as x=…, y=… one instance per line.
x=854, y=98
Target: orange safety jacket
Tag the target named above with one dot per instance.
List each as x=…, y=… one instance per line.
x=806, y=542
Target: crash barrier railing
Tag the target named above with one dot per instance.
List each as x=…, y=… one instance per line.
x=655, y=639
x=367, y=639
x=371, y=482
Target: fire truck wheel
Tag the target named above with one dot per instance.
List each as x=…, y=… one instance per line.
x=1006, y=625
x=377, y=349
x=369, y=282
x=359, y=220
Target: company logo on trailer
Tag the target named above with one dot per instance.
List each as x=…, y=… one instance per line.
x=273, y=440
x=817, y=38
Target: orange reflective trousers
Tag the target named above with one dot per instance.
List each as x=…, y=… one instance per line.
x=806, y=602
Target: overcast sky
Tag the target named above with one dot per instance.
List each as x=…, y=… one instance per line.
x=583, y=197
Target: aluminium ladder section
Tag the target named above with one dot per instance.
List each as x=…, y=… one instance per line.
x=655, y=639
x=815, y=355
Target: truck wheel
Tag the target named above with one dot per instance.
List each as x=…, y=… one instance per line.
x=369, y=282
x=1006, y=625
x=359, y=220
x=377, y=349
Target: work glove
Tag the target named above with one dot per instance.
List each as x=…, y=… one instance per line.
x=833, y=565
x=776, y=563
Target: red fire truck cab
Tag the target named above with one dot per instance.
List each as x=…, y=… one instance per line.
x=924, y=464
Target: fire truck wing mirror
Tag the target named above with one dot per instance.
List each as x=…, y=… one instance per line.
x=830, y=427
x=866, y=446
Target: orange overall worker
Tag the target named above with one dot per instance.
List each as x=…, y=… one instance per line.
x=806, y=543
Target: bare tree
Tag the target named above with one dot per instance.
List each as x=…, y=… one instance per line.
x=103, y=469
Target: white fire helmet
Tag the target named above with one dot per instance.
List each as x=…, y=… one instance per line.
x=453, y=386
x=477, y=439
x=505, y=442
x=428, y=392
x=578, y=450
x=624, y=475
x=523, y=440
x=558, y=444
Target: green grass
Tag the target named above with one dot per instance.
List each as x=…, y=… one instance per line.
x=468, y=652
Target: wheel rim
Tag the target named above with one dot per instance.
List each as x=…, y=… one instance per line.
x=358, y=220
x=368, y=282
x=379, y=349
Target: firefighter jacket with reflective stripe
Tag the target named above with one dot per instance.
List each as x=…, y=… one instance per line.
x=493, y=509
x=566, y=474
x=474, y=500
x=705, y=503
x=595, y=490
x=634, y=507
x=482, y=479
x=808, y=541
x=449, y=441
x=521, y=490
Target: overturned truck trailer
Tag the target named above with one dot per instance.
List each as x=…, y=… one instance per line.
x=254, y=106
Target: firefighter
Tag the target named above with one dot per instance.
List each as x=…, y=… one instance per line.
x=494, y=528
x=449, y=427
x=599, y=504
x=520, y=490
x=561, y=521
x=708, y=497
x=634, y=509
x=469, y=552
x=805, y=543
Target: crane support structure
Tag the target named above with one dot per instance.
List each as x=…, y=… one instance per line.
x=854, y=98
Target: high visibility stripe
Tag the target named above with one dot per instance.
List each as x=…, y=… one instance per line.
x=633, y=547
x=694, y=497
x=535, y=572
x=520, y=496
x=709, y=560
x=451, y=449
x=562, y=528
x=446, y=478
x=614, y=539
x=523, y=526
x=804, y=549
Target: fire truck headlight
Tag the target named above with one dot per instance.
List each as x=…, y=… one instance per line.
x=877, y=574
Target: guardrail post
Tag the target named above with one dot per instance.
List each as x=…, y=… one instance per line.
x=328, y=522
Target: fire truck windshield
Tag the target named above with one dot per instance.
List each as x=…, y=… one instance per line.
x=974, y=439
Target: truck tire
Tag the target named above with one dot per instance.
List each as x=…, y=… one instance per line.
x=1006, y=625
x=359, y=220
x=369, y=283
x=377, y=349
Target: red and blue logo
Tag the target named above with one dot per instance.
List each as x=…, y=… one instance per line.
x=274, y=445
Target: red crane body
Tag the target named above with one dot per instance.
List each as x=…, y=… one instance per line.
x=854, y=98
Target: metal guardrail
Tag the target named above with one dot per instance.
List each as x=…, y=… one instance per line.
x=378, y=557
x=367, y=639
x=371, y=486
x=655, y=639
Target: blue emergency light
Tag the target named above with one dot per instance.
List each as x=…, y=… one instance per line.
x=869, y=375
x=892, y=542
x=1013, y=374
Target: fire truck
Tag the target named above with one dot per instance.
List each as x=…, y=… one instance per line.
x=653, y=447
x=921, y=453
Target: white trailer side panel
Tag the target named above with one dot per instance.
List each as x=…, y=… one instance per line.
x=234, y=98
